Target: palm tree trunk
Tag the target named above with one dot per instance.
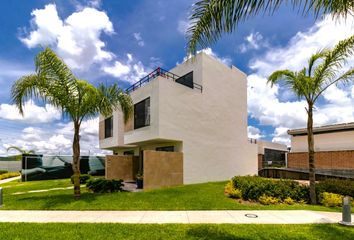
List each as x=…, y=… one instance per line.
x=76, y=159
x=311, y=149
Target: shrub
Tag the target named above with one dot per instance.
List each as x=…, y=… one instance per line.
x=3, y=171
x=288, y=201
x=231, y=191
x=267, y=200
x=235, y=193
x=101, y=185
x=83, y=178
x=253, y=187
x=331, y=199
x=343, y=187
x=9, y=175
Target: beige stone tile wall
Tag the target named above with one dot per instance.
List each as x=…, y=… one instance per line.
x=121, y=167
x=162, y=169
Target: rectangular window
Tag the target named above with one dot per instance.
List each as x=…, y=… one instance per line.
x=186, y=80
x=108, y=127
x=142, y=114
x=166, y=149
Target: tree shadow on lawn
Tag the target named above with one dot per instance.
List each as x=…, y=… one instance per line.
x=56, y=201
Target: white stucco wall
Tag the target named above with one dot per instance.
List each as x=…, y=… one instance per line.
x=262, y=144
x=334, y=141
x=211, y=124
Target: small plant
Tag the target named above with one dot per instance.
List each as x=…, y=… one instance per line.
x=288, y=201
x=83, y=178
x=235, y=193
x=101, y=185
x=3, y=171
x=331, y=199
x=231, y=191
x=268, y=200
x=140, y=180
x=9, y=175
x=139, y=176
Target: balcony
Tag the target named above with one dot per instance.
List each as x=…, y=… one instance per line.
x=168, y=75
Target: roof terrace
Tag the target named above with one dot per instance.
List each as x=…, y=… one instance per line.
x=186, y=80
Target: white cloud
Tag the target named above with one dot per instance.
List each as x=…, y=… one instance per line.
x=139, y=39
x=130, y=70
x=32, y=113
x=254, y=41
x=57, y=140
x=210, y=52
x=281, y=136
x=254, y=132
x=183, y=26
x=275, y=106
x=76, y=39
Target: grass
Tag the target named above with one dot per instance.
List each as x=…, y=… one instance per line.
x=206, y=196
x=9, y=175
x=90, y=231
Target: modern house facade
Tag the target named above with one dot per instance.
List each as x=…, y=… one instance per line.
x=197, y=109
x=334, y=149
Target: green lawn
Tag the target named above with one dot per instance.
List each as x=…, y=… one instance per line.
x=67, y=231
x=206, y=196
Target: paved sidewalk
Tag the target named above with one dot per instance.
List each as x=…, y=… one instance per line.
x=10, y=179
x=227, y=216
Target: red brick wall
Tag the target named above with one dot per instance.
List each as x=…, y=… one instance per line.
x=260, y=161
x=323, y=160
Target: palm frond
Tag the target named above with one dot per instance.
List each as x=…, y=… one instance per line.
x=211, y=18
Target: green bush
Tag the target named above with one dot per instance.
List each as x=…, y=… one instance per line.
x=9, y=175
x=235, y=193
x=3, y=171
x=267, y=200
x=253, y=187
x=338, y=186
x=83, y=178
x=101, y=185
x=331, y=199
x=288, y=201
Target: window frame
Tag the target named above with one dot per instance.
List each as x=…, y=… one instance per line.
x=146, y=113
x=108, y=133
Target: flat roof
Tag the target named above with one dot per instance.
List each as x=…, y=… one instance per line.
x=340, y=127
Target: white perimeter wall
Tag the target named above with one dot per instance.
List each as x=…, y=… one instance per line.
x=325, y=142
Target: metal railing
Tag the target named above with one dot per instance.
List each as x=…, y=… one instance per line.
x=154, y=74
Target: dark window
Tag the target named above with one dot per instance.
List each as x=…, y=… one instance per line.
x=166, y=149
x=108, y=127
x=186, y=80
x=130, y=152
x=142, y=114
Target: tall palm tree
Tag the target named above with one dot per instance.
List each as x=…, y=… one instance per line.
x=54, y=83
x=211, y=18
x=324, y=69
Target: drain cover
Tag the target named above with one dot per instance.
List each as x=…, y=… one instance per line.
x=249, y=215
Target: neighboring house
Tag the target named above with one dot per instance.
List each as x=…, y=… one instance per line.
x=334, y=149
x=271, y=154
x=197, y=109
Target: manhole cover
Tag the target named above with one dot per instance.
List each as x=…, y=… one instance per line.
x=249, y=215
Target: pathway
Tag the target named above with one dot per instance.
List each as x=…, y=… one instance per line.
x=227, y=216
x=10, y=179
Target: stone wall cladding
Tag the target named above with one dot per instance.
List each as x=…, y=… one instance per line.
x=121, y=167
x=162, y=169
x=323, y=160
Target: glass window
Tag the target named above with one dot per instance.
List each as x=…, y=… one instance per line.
x=166, y=149
x=142, y=114
x=186, y=80
x=108, y=127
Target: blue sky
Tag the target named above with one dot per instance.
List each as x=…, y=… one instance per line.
x=121, y=41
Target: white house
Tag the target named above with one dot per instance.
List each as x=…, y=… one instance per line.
x=198, y=108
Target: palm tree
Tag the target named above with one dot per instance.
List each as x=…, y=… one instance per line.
x=211, y=18
x=22, y=151
x=54, y=83
x=324, y=69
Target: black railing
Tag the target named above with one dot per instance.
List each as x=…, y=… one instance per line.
x=154, y=74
